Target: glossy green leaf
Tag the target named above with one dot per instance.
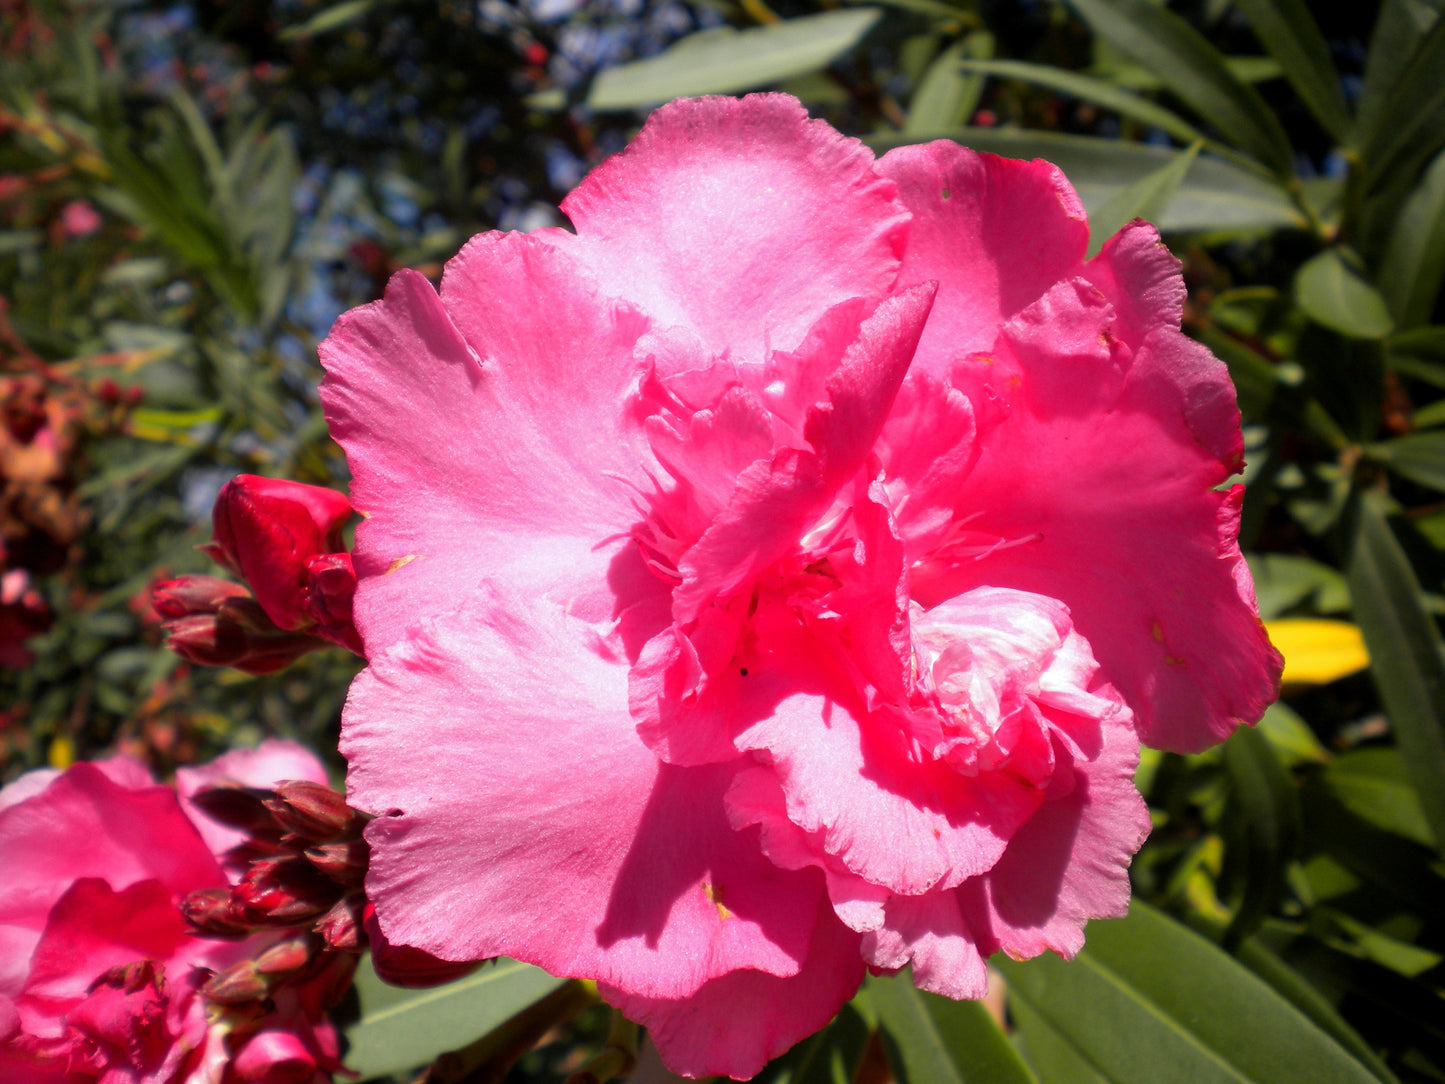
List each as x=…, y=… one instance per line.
x=1048, y=1053
x=1099, y=91
x=1334, y=294
x=401, y=1029
x=1149, y=999
x=1146, y=198
x=1292, y=36
x=1411, y=127
x=1264, y=829
x=949, y=91
x=725, y=60
x=936, y=1040
x=1419, y=457
x=1216, y=196
x=1194, y=70
x=1413, y=265
x=1373, y=784
x=1405, y=652
x=1283, y=581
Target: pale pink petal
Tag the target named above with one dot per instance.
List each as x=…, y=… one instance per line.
x=85, y=825
x=460, y=419
x=994, y=233
x=624, y=870
x=740, y=219
x=735, y=1024
x=1122, y=522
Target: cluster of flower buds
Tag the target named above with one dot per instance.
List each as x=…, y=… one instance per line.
x=301, y=867
x=283, y=539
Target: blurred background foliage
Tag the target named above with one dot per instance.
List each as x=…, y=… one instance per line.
x=191, y=192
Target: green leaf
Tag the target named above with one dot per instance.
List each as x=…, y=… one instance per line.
x=1397, y=34
x=1292, y=36
x=1405, y=653
x=936, y=1040
x=1411, y=127
x=1413, y=265
x=1146, y=198
x=1099, y=91
x=948, y=93
x=1282, y=581
x=1333, y=293
x=1419, y=457
x=1373, y=784
x=725, y=60
x=1148, y=993
x=1216, y=197
x=400, y=1029
x=1194, y=70
x=332, y=18
x=1291, y=736
x=1264, y=829
x=1053, y=1057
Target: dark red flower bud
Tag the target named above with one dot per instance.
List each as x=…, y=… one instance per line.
x=342, y=925
x=187, y=595
x=327, y=598
x=239, y=634
x=209, y=911
x=313, y=811
x=403, y=965
x=344, y=861
x=268, y=529
x=243, y=808
x=285, y=891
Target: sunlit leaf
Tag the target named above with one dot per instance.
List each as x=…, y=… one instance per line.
x=725, y=60
x=949, y=92
x=1146, y=198
x=400, y=1029
x=936, y=1040
x=1406, y=653
x=1147, y=993
x=1373, y=784
x=1291, y=736
x=1283, y=580
x=1334, y=293
x=1292, y=36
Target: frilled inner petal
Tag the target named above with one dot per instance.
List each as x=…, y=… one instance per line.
x=549, y=832
x=462, y=417
x=742, y=220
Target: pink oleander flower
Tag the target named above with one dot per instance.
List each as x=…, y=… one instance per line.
x=773, y=578
x=100, y=979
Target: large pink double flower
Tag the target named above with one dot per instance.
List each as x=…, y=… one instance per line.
x=774, y=578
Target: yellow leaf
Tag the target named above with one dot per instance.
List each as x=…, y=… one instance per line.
x=1317, y=651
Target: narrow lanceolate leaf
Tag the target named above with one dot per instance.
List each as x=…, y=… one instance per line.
x=1374, y=784
x=1216, y=196
x=1406, y=654
x=949, y=92
x=1099, y=91
x=1413, y=266
x=1193, y=69
x=1148, y=997
x=1292, y=36
x=1411, y=127
x=1146, y=198
x=935, y=1040
x=1333, y=293
x=725, y=60
x=1264, y=829
x=1419, y=457
x=1397, y=34
x=401, y=1029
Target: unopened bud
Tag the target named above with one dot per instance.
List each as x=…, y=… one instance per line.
x=283, y=891
x=286, y=958
x=314, y=811
x=341, y=926
x=237, y=984
x=243, y=808
x=209, y=911
x=344, y=861
x=186, y=595
x=239, y=635
x=404, y=965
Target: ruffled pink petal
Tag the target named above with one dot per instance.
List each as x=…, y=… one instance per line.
x=86, y=825
x=625, y=871
x=1122, y=522
x=733, y=1025
x=740, y=219
x=460, y=419
x=271, y=762
x=994, y=233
